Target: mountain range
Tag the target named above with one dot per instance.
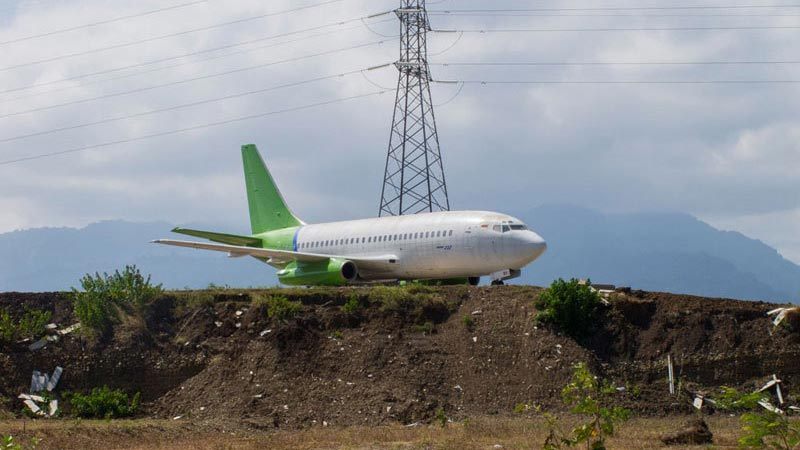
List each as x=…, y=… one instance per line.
x=652, y=251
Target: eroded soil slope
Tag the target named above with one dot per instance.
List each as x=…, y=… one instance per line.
x=217, y=355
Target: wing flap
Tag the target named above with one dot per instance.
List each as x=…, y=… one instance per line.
x=275, y=256
x=231, y=239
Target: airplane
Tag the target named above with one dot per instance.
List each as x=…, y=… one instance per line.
x=436, y=247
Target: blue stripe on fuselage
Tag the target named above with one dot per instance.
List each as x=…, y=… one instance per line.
x=294, y=241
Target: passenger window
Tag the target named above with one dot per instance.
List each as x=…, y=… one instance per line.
x=451, y=232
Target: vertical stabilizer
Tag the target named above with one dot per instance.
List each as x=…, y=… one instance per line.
x=268, y=210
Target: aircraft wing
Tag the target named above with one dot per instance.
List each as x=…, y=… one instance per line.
x=276, y=256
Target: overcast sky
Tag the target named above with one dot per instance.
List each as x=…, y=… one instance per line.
x=727, y=153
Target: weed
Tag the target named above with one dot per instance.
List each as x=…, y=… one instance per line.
x=570, y=306
x=761, y=428
x=103, y=403
x=425, y=328
x=337, y=335
x=279, y=307
x=441, y=417
x=468, y=321
x=31, y=325
x=7, y=442
x=394, y=298
x=521, y=408
x=354, y=304
x=586, y=395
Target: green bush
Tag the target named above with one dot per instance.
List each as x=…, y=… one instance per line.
x=31, y=325
x=761, y=428
x=7, y=442
x=586, y=395
x=354, y=304
x=103, y=403
x=281, y=308
x=570, y=306
x=97, y=305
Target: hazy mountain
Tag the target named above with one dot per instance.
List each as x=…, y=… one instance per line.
x=666, y=252
x=658, y=251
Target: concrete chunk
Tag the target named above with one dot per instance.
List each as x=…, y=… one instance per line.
x=51, y=384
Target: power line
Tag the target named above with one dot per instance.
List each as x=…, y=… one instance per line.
x=103, y=22
x=512, y=82
x=617, y=8
x=185, y=105
x=636, y=15
x=613, y=63
x=165, y=36
x=187, y=129
x=199, y=52
x=189, y=80
x=550, y=30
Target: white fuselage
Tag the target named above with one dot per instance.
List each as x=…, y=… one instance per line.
x=428, y=246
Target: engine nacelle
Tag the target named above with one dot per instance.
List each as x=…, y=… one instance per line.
x=334, y=272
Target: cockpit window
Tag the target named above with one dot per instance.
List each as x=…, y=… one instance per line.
x=519, y=227
x=506, y=228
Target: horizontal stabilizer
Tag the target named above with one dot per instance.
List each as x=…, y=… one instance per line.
x=232, y=239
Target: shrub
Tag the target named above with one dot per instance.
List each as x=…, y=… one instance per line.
x=588, y=396
x=97, y=305
x=31, y=325
x=103, y=403
x=281, y=308
x=393, y=298
x=570, y=306
x=354, y=304
x=441, y=417
x=761, y=428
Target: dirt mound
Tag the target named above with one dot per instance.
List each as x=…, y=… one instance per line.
x=468, y=351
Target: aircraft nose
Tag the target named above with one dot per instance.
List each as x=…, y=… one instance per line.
x=535, y=243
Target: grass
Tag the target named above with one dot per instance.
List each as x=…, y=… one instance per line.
x=477, y=433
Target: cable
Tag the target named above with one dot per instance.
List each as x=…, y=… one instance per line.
x=192, y=128
x=188, y=80
x=199, y=52
x=511, y=82
x=182, y=106
x=460, y=88
x=549, y=30
x=165, y=36
x=103, y=22
x=605, y=15
x=615, y=63
x=617, y=8
x=458, y=39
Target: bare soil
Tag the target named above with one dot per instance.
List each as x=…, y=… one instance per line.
x=191, y=355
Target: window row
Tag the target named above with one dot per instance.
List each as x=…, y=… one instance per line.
x=376, y=239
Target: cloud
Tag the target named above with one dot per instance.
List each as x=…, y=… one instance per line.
x=725, y=152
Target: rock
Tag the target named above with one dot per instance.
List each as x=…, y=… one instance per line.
x=695, y=432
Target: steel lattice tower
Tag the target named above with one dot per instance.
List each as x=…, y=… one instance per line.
x=414, y=176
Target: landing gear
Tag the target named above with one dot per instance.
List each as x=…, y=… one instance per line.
x=498, y=283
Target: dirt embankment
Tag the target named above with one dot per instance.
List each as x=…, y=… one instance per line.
x=205, y=355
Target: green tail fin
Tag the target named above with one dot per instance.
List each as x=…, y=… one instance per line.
x=268, y=210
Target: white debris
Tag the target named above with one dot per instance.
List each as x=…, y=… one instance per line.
x=477, y=312
x=776, y=383
x=177, y=417
x=794, y=408
x=698, y=402
x=51, y=384
x=264, y=333
x=285, y=407
x=202, y=408
x=474, y=338
x=38, y=345
x=33, y=407
x=52, y=338
x=780, y=314
x=38, y=381
x=388, y=408
x=238, y=325
x=35, y=398
x=69, y=329
x=239, y=313
x=218, y=323
x=258, y=396
x=324, y=423
x=412, y=425
x=50, y=326
x=769, y=407
x=498, y=446
x=458, y=388
x=53, y=408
